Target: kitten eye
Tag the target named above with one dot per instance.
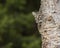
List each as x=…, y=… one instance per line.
x=45, y=30
x=40, y=21
x=49, y=18
x=54, y=12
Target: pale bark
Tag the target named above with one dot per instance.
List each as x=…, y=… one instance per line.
x=48, y=20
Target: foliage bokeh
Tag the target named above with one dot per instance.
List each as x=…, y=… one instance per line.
x=17, y=25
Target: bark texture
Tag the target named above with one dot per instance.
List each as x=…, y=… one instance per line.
x=48, y=20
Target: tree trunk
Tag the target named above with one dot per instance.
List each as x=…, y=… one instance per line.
x=48, y=20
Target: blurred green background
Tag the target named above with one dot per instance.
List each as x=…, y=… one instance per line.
x=17, y=25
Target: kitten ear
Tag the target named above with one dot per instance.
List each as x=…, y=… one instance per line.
x=34, y=14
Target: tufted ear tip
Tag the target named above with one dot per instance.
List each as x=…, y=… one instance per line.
x=34, y=14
